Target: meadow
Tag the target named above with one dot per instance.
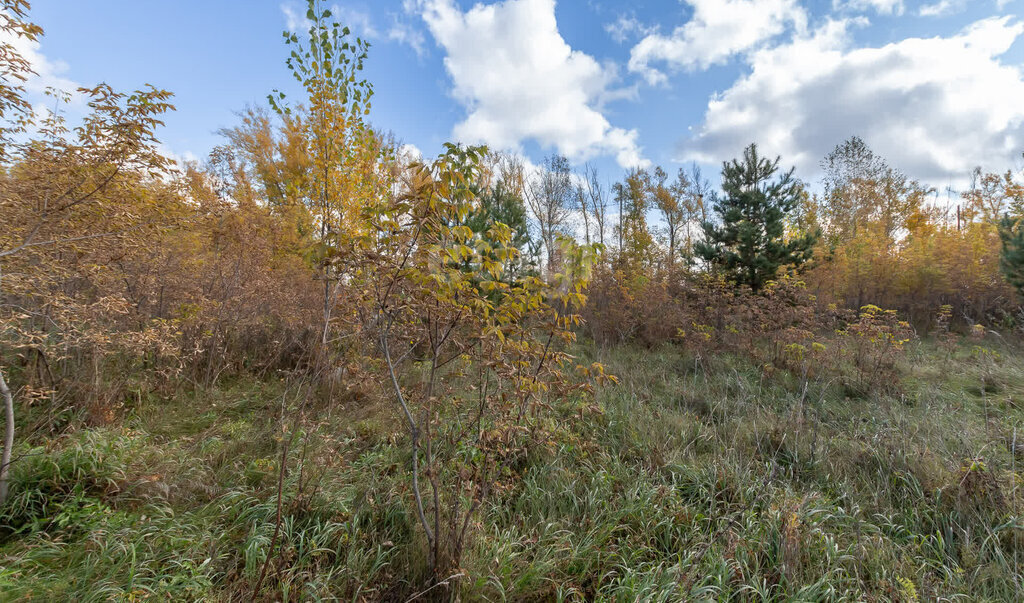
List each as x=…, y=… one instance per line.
x=700, y=480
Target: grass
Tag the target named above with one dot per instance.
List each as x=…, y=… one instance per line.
x=699, y=480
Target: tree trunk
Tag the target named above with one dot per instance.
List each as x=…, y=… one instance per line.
x=5, y=462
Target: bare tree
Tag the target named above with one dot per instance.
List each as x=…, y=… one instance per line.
x=549, y=197
x=580, y=198
x=695, y=195
x=597, y=200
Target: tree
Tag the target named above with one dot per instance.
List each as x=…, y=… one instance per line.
x=15, y=112
x=501, y=205
x=695, y=194
x=596, y=201
x=636, y=246
x=670, y=200
x=1011, y=232
x=749, y=246
x=861, y=189
x=15, y=109
x=991, y=196
x=272, y=159
x=439, y=307
x=851, y=173
x=342, y=149
x=549, y=196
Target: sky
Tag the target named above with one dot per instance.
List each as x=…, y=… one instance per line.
x=935, y=86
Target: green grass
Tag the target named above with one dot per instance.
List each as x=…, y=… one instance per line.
x=701, y=481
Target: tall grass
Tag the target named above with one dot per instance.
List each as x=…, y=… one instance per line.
x=698, y=480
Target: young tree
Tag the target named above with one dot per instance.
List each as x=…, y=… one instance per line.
x=272, y=159
x=749, y=246
x=636, y=246
x=991, y=196
x=15, y=112
x=499, y=204
x=1011, y=232
x=579, y=196
x=342, y=149
x=441, y=309
x=596, y=201
x=862, y=190
x=852, y=172
x=670, y=200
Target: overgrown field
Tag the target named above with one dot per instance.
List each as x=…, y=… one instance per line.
x=697, y=479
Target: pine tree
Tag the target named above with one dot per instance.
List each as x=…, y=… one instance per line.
x=501, y=204
x=749, y=246
x=1011, y=231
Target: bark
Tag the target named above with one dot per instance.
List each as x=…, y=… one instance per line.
x=415, y=432
x=5, y=462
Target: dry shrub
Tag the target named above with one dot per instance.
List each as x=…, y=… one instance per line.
x=976, y=489
x=868, y=351
x=621, y=308
x=781, y=328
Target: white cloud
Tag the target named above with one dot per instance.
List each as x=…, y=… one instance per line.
x=358, y=21
x=519, y=80
x=626, y=27
x=410, y=151
x=934, y=106
x=718, y=30
x=48, y=73
x=295, y=21
x=943, y=7
x=882, y=7
x=403, y=33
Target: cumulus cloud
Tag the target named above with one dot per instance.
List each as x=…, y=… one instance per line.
x=718, y=30
x=411, y=152
x=934, y=106
x=519, y=80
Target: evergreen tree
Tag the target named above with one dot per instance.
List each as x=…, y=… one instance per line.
x=1011, y=231
x=501, y=204
x=749, y=246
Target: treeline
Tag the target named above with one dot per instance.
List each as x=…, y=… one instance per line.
x=873, y=236
x=311, y=247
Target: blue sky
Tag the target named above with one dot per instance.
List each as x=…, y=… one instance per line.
x=935, y=86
